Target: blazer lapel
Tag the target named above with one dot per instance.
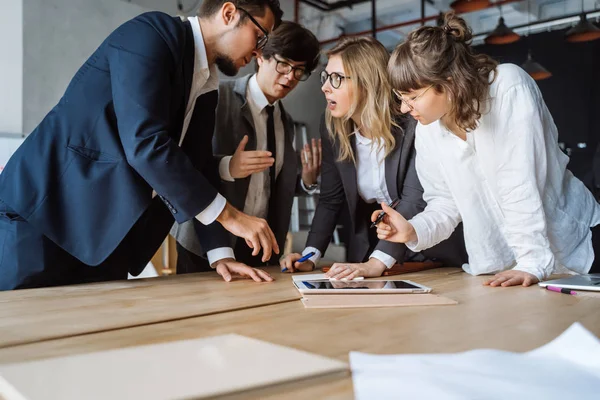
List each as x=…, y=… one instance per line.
x=187, y=71
x=392, y=165
x=407, y=135
x=241, y=85
x=290, y=164
x=348, y=173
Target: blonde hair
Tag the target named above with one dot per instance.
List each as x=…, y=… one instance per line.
x=365, y=62
x=443, y=57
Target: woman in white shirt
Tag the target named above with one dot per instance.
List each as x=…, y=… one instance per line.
x=487, y=155
x=367, y=158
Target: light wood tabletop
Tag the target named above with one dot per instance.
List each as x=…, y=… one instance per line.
x=40, y=314
x=511, y=319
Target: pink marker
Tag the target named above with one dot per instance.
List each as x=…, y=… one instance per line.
x=561, y=290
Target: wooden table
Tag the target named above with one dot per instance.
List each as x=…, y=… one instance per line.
x=33, y=315
x=513, y=319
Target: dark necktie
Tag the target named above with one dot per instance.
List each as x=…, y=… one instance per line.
x=271, y=144
x=272, y=147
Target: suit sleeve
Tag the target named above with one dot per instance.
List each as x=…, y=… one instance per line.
x=411, y=203
x=331, y=198
x=142, y=67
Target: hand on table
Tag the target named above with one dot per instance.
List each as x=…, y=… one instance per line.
x=512, y=278
x=290, y=262
x=370, y=269
x=227, y=267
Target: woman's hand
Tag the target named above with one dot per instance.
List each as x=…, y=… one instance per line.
x=512, y=278
x=370, y=269
x=289, y=264
x=394, y=227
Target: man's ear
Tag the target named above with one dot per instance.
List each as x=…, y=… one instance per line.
x=260, y=60
x=229, y=14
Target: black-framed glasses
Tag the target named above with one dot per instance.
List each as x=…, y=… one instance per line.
x=285, y=68
x=406, y=101
x=335, y=79
x=261, y=42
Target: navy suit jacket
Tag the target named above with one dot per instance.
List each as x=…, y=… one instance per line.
x=85, y=175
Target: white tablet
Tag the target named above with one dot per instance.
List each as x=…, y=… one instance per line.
x=576, y=282
x=325, y=286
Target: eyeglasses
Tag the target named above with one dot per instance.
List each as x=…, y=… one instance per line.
x=335, y=79
x=406, y=101
x=285, y=68
x=261, y=42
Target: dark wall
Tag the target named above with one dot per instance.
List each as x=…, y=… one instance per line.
x=572, y=94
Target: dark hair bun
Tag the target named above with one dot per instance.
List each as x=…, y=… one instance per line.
x=456, y=27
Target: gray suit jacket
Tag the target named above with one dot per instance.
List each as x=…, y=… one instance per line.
x=339, y=184
x=234, y=120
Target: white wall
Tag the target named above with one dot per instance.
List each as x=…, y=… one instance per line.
x=58, y=36
x=11, y=66
x=8, y=145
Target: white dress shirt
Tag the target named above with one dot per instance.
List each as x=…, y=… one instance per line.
x=205, y=79
x=259, y=188
x=509, y=186
x=371, y=184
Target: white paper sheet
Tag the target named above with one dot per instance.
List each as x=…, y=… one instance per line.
x=187, y=369
x=567, y=367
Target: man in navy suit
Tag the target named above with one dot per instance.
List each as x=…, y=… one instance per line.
x=93, y=191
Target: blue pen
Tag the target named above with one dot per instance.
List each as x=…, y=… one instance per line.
x=304, y=258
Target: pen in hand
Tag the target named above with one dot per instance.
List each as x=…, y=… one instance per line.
x=302, y=259
x=382, y=214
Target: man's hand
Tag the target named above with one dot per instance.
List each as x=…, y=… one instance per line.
x=227, y=267
x=512, y=278
x=311, y=162
x=290, y=262
x=254, y=230
x=394, y=227
x=370, y=269
x=245, y=163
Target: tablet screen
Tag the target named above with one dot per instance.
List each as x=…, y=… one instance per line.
x=359, y=285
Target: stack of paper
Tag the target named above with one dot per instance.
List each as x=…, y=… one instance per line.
x=568, y=367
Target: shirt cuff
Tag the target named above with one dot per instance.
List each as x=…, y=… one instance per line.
x=388, y=260
x=224, y=169
x=308, y=191
x=220, y=253
x=421, y=232
x=210, y=213
x=316, y=257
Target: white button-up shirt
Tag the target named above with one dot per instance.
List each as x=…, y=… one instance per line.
x=371, y=185
x=205, y=79
x=508, y=183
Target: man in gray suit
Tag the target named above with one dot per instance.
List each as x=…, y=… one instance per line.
x=258, y=167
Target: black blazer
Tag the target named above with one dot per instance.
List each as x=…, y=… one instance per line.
x=85, y=175
x=339, y=184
